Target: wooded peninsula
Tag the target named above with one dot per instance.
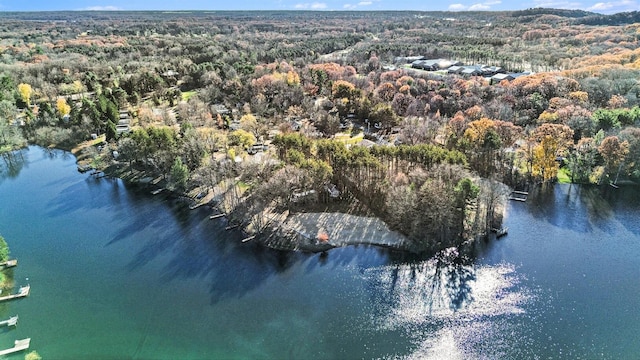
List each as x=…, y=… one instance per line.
x=424, y=120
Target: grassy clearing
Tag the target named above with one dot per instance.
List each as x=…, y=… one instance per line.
x=564, y=177
x=100, y=139
x=187, y=95
x=348, y=139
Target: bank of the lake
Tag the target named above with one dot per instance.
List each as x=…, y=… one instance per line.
x=118, y=273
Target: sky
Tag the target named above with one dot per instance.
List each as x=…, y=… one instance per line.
x=604, y=7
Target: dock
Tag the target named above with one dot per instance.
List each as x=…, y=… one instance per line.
x=9, y=264
x=518, y=195
x=84, y=168
x=216, y=216
x=501, y=232
x=248, y=239
x=19, y=346
x=23, y=292
x=12, y=321
x=156, y=192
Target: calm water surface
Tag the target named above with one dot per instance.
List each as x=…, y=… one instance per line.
x=117, y=273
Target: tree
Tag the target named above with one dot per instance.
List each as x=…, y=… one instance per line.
x=485, y=142
x=25, y=92
x=632, y=136
x=384, y=115
x=249, y=123
x=415, y=130
x=241, y=138
x=179, y=175
x=193, y=148
x=62, y=107
x=128, y=150
x=613, y=153
x=544, y=159
x=4, y=250
x=110, y=131
x=582, y=160
x=552, y=140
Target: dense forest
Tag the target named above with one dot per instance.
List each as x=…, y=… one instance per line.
x=295, y=110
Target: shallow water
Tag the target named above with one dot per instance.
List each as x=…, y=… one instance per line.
x=118, y=273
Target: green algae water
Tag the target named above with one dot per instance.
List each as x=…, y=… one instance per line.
x=118, y=273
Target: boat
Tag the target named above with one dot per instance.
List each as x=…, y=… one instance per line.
x=501, y=232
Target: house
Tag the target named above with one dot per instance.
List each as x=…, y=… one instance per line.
x=456, y=69
x=220, y=109
x=407, y=59
x=303, y=196
x=497, y=78
x=446, y=64
x=170, y=73
x=491, y=70
x=434, y=64
x=333, y=191
x=471, y=71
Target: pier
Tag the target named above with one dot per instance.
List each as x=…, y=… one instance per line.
x=248, y=239
x=216, y=216
x=519, y=196
x=12, y=321
x=19, y=345
x=9, y=264
x=500, y=232
x=23, y=292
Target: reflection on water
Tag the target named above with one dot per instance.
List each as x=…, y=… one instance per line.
x=11, y=163
x=452, y=305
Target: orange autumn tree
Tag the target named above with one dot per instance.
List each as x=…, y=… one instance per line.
x=613, y=152
x=486, y=139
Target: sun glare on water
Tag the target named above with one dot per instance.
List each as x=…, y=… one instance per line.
x=451, y=309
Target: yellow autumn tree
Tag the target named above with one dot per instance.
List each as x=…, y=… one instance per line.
x=552, y=140
x=544, y=164
x=63, y=108
x=293, y=78
x=579, y=96
x=25, y=91
x=548, y=117
x=477, y=130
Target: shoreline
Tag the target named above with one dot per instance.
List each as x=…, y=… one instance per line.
x=288, y=230
x=280, y=230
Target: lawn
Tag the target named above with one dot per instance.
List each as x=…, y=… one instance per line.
x=187, y=95
x=348, y=139
x=564, y=176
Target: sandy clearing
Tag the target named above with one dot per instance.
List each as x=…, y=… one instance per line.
x=344, y=229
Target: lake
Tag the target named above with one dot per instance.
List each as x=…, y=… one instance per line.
x=118, y=273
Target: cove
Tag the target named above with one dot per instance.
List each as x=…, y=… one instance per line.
x=118, y=273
